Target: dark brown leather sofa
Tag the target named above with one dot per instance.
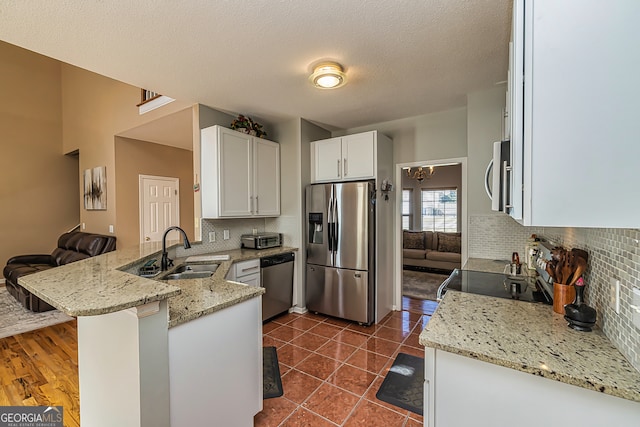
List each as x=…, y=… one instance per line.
x=72, y=247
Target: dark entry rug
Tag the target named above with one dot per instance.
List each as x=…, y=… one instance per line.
x=271, y=381
x=403, y=385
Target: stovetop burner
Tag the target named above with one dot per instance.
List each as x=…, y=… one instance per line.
x=521, y=288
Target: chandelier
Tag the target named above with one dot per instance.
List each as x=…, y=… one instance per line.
x=421, y=173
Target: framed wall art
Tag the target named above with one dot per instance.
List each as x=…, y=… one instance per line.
x=95, y=189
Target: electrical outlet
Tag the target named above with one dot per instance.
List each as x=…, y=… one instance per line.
x=212, y=236
x=255, y=231
x=110, y=228
x=226, y=234
x=614, y=289
x=635, y=307
x=84, y=226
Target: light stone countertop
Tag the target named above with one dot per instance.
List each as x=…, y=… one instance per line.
x=100, y=285
x=529, y=338
x=203, y=296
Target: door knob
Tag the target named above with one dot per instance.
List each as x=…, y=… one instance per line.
x=146, y=239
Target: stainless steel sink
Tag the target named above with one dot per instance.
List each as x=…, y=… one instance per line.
x=191, y=271
x=196, y=268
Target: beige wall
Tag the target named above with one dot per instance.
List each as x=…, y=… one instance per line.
x=484, y=124
x=95, y=108
x=435, y=136
x=134, y=158
x=38, y=184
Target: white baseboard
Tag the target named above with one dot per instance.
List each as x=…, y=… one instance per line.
x=298, y=310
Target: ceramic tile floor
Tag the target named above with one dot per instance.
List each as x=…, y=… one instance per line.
x=331, y=369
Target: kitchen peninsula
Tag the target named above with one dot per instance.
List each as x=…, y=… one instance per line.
x=504, y=360
x=158, y=353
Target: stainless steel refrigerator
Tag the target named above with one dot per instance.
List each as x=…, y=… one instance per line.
x=340, y=238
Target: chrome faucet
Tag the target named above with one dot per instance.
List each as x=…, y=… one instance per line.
x=166, y=262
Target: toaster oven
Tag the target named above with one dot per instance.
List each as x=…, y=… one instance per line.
x=261, y=241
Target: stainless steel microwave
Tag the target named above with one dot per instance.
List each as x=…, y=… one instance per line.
x=497, y=180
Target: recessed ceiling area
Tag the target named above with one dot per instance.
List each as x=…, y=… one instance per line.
x=402, y=59
x=174, y=129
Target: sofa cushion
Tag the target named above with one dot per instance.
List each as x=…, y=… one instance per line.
x=449, y=242
x=413, y=253
x=443, y=256
x=430, y=240
x=76, y=246
x=413, y=240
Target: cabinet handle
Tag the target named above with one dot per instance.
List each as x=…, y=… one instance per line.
x=250, y=268
x=338, y=168
x=257, y=206
x=344, y=164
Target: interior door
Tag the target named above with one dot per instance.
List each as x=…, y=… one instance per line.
x=159, y=206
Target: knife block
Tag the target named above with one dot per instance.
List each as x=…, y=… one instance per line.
x=562, y=295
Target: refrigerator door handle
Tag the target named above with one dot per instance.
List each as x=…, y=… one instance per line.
x=335, y=230
x=330, y=224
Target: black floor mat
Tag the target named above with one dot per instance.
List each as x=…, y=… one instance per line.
x=271, y=381
x=403, y=385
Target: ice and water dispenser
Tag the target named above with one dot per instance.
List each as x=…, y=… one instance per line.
x=315, y=227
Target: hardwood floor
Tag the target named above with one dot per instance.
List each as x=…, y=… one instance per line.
x=41, y=368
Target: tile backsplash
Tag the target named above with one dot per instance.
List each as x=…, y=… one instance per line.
x=236, y=227
x=613, y=253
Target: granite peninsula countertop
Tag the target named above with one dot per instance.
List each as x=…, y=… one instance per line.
x=101, y=284
x=529, y=338
x=200, y=297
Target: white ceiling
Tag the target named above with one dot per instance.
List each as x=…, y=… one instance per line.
x=403, y=58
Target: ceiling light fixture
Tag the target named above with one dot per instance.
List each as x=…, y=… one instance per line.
x=420, y=174
x=328, y=75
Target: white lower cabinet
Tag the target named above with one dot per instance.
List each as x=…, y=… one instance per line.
x=240, y=174
x=460, y=391
x=248, y=272
x=215, y=368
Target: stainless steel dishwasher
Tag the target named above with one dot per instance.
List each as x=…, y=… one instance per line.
x=276, y=276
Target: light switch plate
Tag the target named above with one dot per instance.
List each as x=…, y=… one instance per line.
x=635, y=307
x=226, y=235
x=212, y=236
x=614, y=286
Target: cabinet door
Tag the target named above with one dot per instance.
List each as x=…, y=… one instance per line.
x=327, y=160
x=580, y=114
x=234, y=164
x=251, y=280
x=266, y=178
x=358, y=156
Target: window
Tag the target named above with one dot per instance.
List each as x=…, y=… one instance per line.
x=407, y=207
x=440, y=210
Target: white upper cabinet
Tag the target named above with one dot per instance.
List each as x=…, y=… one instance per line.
x=266, y=177
x=240, y=175
x=574, y=113
x=347, y=158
